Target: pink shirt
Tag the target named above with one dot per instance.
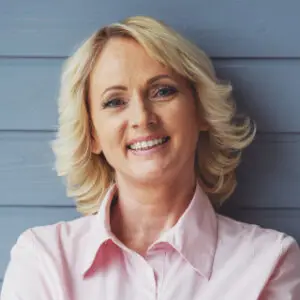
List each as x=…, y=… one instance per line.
x=204, y=256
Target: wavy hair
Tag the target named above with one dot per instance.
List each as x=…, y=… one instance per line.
x=219, y=150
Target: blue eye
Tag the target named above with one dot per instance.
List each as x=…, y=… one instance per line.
x=113, y=103
x=165, y=91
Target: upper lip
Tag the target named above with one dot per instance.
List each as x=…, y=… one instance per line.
x=146, y=138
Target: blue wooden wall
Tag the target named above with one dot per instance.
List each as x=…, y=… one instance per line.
x=253, y=43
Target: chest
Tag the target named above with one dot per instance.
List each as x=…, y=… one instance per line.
x=169, y=277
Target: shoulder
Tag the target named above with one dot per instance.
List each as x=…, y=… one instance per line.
x=254, y=237
x=268, y=258
x=42, y=259
x=60, y=237
x=253, y=245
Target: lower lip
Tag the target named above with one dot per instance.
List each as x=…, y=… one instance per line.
x=149, y=151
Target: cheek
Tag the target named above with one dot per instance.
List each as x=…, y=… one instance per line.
x=184, y=122
x=110, y=133
x=183, y=115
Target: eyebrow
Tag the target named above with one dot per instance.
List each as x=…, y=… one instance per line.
x=149, y=81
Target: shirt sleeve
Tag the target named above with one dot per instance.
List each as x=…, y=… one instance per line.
x=284, y=282
x=23, y=278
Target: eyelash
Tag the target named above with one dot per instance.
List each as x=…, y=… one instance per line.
x=171, y=91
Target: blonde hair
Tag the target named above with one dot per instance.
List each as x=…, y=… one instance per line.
x=88, y=175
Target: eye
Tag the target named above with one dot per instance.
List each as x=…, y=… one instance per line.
x=165, y=91
x=113, y=103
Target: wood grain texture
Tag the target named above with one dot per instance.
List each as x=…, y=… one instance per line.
x=269, y=175
x=233, y=28
x=267, y=90
x=19, y=219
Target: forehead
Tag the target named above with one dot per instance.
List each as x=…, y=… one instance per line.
x=124, y=61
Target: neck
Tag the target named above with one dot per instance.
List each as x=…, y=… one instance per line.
x=144, y=211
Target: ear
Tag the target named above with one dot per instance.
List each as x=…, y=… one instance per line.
x=96, y=147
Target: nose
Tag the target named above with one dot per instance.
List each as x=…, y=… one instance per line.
x=142, y=114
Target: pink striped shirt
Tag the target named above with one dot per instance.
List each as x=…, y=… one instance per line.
x=204, y=256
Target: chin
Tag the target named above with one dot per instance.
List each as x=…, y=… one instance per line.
x=149, y=176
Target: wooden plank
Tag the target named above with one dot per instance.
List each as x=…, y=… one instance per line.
x=265, y=89
x=269, y=175
x=223, y=28
x=15, y=220
x=26, y=170
x=28, y=93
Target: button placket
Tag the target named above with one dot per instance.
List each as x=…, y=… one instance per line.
x=156, y=259
x=145, y=273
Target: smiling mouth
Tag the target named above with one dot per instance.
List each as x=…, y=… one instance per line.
x=146, y=145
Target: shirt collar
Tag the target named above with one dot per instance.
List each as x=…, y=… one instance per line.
x=194, y=236
x=99, y=232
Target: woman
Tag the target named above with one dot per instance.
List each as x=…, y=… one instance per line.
x=148, y=140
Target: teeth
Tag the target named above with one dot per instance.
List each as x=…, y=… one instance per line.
x=147, y=144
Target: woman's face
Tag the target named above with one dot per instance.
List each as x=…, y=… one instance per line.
x=144, y=115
